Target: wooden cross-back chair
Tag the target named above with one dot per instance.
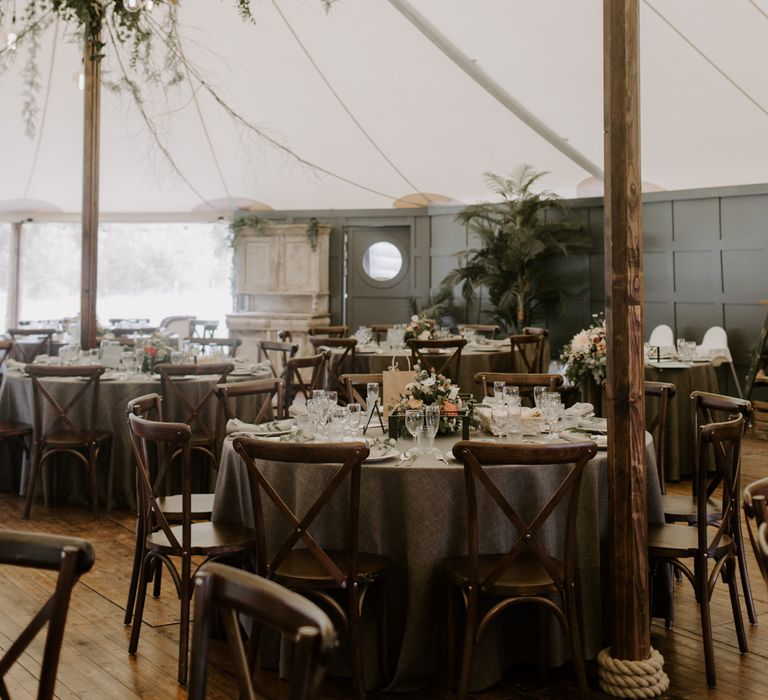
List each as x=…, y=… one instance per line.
x=707, y=408
x=277, y=354
x=26, y=352
x=429, y=354
x=379, y=330
x=712, y=545
x=756, y=514
x=528, y=353
x=71, y=557
x=200, y=328
x=235, y=593
x=329, y=331
x=232, y=344
x=341, y=359
x=296, y=383
x=527, y=572
x=525, y=382
x=355, y=386
x=662, y=393
x=269, y=392
x=56, y=429
x=163, y=540
x=150, y=407
x=486, y=329
x=178, y=401
x=312, y=569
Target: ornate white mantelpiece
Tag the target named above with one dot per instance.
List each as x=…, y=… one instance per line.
x=281, y=283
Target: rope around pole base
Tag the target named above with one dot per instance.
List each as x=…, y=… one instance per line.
x=623, y=678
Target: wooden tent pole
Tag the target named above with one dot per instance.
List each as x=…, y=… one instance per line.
x=90, y=237
x=624, y=320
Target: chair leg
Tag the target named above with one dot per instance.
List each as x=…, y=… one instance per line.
x=138, y=556
x=730, y=577
x=744, y=575
x=186, y=584
x=32, y=485
x=157, y=578
x=138, y=611
x=702, y=593
x=355, y=639
x=93, y=458
x=469, y=644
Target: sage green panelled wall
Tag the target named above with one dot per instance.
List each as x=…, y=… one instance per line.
x=705, y=257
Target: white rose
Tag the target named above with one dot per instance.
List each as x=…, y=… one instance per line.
x=429, y=381
x=414, y=318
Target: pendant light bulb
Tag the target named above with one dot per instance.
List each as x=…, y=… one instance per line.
x=133, y=5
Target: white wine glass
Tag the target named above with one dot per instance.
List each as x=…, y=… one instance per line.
x=414, y=419
x=432, y=422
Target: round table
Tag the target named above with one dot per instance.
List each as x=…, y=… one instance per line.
x=416, y=516
x=117, y=486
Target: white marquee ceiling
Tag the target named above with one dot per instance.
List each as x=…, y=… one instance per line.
x=435, y=124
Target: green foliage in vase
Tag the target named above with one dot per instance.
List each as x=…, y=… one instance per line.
x=518, y=236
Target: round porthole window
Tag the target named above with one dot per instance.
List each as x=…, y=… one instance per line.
x=382, y=261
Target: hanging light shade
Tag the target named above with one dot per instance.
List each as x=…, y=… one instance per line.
x=133, y=5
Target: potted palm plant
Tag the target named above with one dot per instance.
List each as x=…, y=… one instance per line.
x=517, y=237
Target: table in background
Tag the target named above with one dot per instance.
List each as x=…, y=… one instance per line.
x=117, y=485
x=699, y=376
x=416, y=515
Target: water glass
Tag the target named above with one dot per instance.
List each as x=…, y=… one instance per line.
x=176, y=357
x=498, y=391
x=512, y=395
x=515, y=425
x=372, y=392
x=305, y=426
x=681, y=348
x=338, y=423
x=332, y=397
x=538, y=395
x=414, y=419
x=499, y=420
x=690, y=350
x=319, y=394
x=551, y=410
x=354, y=414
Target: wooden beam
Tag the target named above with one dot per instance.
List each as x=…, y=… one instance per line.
x=90, y=237
x=624, y=319
x=14, y=276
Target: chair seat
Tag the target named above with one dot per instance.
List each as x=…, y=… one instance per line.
x=69, y=439
x=679, y=541
x=12, y=429
x=207, y=538
x=526, y=575
x=200, y=439
x=300, y=569
x=685, y=509
x=202, y=506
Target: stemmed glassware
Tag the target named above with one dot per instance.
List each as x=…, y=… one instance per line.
x=431, y=424
x=372, y=394
x=551, y=409
x=339, y=419
x=414, y=419
x=354, y=413
x=498, y=391
x=538, y=395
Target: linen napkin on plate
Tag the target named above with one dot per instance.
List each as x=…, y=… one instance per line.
x=580, y=410
x=234, y=425
x=578, y=436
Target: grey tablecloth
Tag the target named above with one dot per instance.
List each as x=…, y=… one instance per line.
x=117, y=483
x=416, y=516
x=678, y=451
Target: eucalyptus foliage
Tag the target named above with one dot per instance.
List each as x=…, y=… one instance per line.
x=517, y=237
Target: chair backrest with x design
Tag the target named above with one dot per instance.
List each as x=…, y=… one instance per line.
x=355, y=386
x=662, y=393
x=160, y=440
x=348, y=456
x=267, y=391
x=476, y=456
x=486, y=329
x=379, y=330
x=52, y=415
x=435, y=355
x=340, y=360
x=71, y=557
x=234, y=593
x=232, y=344
x=178, y=399
x=150, y=407
x=296, y=383
x=756, y=514
x=711, y=408
x=528, y=353
x=39, y=341
x=277, y=354
x=329, y=331
x=724, y=440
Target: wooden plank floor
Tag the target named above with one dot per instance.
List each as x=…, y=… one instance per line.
x=95, y=662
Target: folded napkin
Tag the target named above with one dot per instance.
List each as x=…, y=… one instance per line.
x=297, y=409
x=380, y=446
x=368, y=347
x=15, y=364
x=481, y=346
x=578, y=436
x=580, y=410
x=299, y=436
x=235, y=425
x=593, y=423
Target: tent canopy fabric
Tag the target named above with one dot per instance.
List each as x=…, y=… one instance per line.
x=704, y=105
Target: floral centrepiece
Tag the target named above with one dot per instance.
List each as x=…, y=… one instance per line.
x=585, y=356
x=156, y=351
x=429, y=388
x=419, y=328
